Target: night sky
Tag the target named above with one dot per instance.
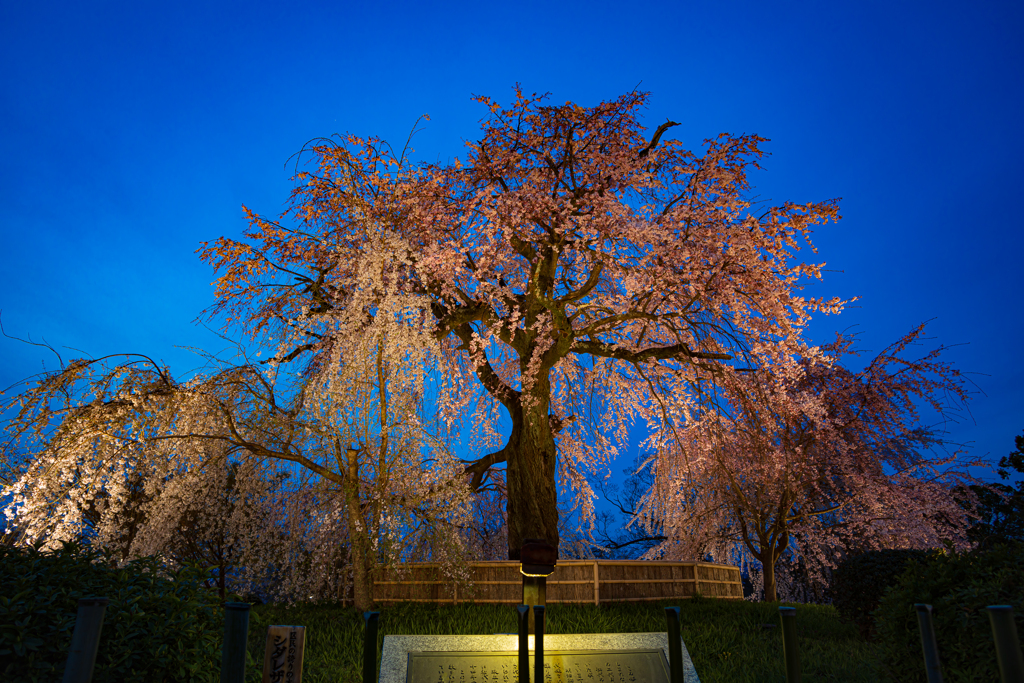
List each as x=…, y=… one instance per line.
x=128, y=135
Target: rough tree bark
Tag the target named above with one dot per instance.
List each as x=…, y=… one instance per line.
x=362, y=592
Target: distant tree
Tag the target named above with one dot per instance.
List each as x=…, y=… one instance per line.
x=486, y=536
x=626, y=533
x=354, y=416
x=203, y=532
x=1000, y=507
x=799, y=444
x=621, y=534
x=100, y=467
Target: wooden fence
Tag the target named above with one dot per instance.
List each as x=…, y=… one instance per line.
x=579, y=581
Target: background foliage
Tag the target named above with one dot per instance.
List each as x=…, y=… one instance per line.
x=157, y=627
x=958, y=586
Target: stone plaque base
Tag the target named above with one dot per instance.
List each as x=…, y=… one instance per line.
x=407, y=659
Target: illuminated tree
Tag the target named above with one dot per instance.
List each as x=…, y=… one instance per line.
x=579, y=276
x=800, y=444
x=354, y=417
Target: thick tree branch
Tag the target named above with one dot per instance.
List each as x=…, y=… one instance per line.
x=450, y=320
x=479, y=468
x=495, y=385
x=586, y=288
x=523, y=248
x=654, y=353
x=657, y=137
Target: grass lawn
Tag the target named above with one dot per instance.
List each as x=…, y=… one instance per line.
x=726, y=639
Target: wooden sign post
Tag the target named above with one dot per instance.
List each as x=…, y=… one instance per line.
x=282, y=659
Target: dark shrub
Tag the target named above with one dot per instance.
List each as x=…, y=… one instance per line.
x=860, y=580
x=958, y=587
x=156, y=628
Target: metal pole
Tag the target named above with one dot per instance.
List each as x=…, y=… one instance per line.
x=85, y=640
x=522, y=617
x=932, y=668
x=789, y=644
x=534, y=593
x=538, y=644
x=370, y=647
x=1004, y=631
x=537, y=560
x=236, y=637
x=675, y=650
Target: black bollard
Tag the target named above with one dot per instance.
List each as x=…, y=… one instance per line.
x=523, y=618
x=538, y=644
x=236, y=637
x=932, y=668
x=85, y=640
x=675, y=648
x=370, y=647
x=789, y=644
x=1004, y=631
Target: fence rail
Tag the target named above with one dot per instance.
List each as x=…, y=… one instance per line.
x=574, y=581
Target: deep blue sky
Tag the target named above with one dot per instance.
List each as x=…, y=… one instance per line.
x=130, y=134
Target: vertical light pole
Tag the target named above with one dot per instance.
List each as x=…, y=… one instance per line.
x=236, y=637
x=370, y=646
x=537, y=560
x=790, y=650
x=538, y=645
x=932, y=668
x=85, y=640
x=1004, y=632
x=524, y=644
x=675, y=646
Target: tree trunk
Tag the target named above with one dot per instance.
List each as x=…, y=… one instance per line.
x=767, y=549
x=532, y=505
x=361, y=594
x=771, y=550
x=361, y=590
x=770, y=591
x=223, y=585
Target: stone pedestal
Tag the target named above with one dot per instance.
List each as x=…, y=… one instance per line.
x=614, y=647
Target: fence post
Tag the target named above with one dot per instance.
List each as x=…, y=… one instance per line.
x=932, y=668
x=790, y=649
x=675, y=649
x=1004, y=632
x=370, y=647
x=538, y=644
x=85, y=640
x=236, y=637
x=523, y=620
